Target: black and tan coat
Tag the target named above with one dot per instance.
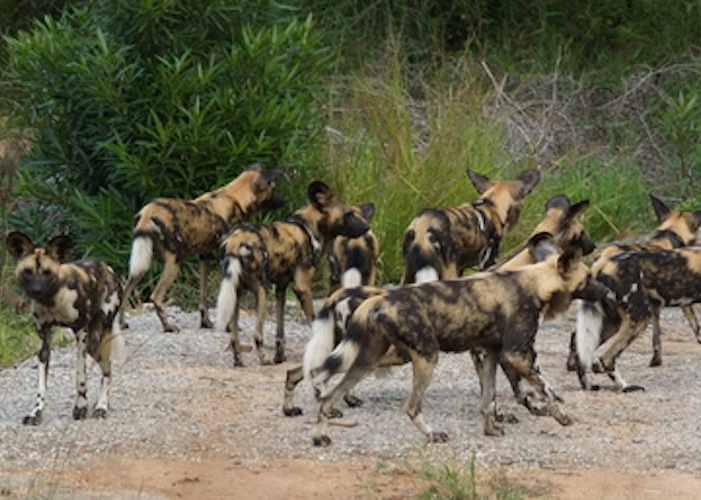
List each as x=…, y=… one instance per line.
x=84, y=296
x=597, y=321
x=497, y=312
x=283, y=253
x=561, y=222
x=440, y=243
x=170, y=229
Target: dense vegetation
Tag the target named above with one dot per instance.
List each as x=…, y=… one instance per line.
x=390, y=101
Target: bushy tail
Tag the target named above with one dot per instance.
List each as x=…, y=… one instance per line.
x=226, y=301
x=590, y=324
x=322, y=342
x=351, y=278
x=141, y=255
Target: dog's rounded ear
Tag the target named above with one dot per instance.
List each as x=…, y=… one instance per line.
x=695, y=221
x=661, y=210
x=527, y=180
x=542, y=245
x=367, y=210
x=559, y=201
x=60, y=248
x=256, y=167
x=319, y=194
x=19, y=244
x=481, y=182
x=578, y=209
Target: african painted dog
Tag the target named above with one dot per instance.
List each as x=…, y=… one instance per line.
x=171, y=229
x=84, y=296
x=561, y=222
x=440, y=243
x=647, y=280
x=353, y=261
x=282, y=253
x=497, y=312
x=676, y=229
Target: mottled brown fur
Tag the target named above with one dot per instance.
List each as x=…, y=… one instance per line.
x=83, y=296
x=446, y=241
x=282, y=253
x=171, y=228
x=497, y=312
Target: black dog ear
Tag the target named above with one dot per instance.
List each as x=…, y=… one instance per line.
x=578, y=209
x=60, y=248
x=528, y=181
x=481, y=182
x=19, y=244
x=661, y=210
x=542, y=245
x=569, y=260
x=319, y=194
x=367, y=211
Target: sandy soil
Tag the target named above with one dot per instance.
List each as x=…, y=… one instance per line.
x=186, y=424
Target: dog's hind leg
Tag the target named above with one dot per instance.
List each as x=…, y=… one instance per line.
x=572, y=353
x=80, y=407
x=690, y=316
x=524, y=361
x=280, y=292
x=205, y=322
x=487, y=376
x=171, y=268
x=44, y=356
x=294, y=377
x=423, y=367
x=261, y=314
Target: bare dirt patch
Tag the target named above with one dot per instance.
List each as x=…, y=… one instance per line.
x=186, y=424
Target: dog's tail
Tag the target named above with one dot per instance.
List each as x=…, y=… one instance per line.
x=141, y=255
x=228, y=291
x=323, y=340
x=590, y=324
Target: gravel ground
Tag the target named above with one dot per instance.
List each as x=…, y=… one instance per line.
x=177, y=396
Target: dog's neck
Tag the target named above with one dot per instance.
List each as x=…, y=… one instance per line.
x=311, y=228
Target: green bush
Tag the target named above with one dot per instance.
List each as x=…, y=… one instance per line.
x=135, y=100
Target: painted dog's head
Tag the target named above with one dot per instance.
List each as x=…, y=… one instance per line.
x=335, y=217
x=37, y=268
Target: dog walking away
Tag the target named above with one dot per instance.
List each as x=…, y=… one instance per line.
x=282, y=253
x=440, y=243
x=648, y=280
x=171, y=229
x=83, y=296
x=353, y=261
x=561, y=227
x=498, y=312
x=600, y=320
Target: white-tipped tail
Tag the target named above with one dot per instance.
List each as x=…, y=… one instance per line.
x=345, y=353
x=320, y=345
x=226, y=301
x=141, y=255
x=590, y=321
x=426, y=274
x=351, y=278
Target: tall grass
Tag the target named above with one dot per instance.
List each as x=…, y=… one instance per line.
x=404, y=138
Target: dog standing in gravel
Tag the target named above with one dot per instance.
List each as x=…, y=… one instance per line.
x=84, y=296
x=440, y=243
x=282, y=253
x=561, y=221
x=171, y=228
x=498, y=312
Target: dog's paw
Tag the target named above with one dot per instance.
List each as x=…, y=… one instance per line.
x=563, y=418
x=80, y=412
x=437, y=437
x=334, y=413
x=295, y=411
x=353, y=401
x=34, y=419
x=633, y=388
x=99, y=413
x=322, y=440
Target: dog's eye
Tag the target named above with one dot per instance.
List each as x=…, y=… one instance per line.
x=26, y=271
x=45, y=272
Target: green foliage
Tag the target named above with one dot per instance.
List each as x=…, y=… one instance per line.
x=18, y=338
x=136, y=100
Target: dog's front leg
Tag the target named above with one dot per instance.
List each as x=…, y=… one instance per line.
x=205, y=322
x=262, y=313
x=80, y=408
x=44, y=355
x=280, y=292
x=487, y=377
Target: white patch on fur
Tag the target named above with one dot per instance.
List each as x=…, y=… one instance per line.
x=226, y=301
x=63, y=311
x=426, y=274
x=480, y=220
x=319, y=346
x=347, y=351
x=141, y=255
x=351, y=278
x=110, y=304
x=589, y=325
